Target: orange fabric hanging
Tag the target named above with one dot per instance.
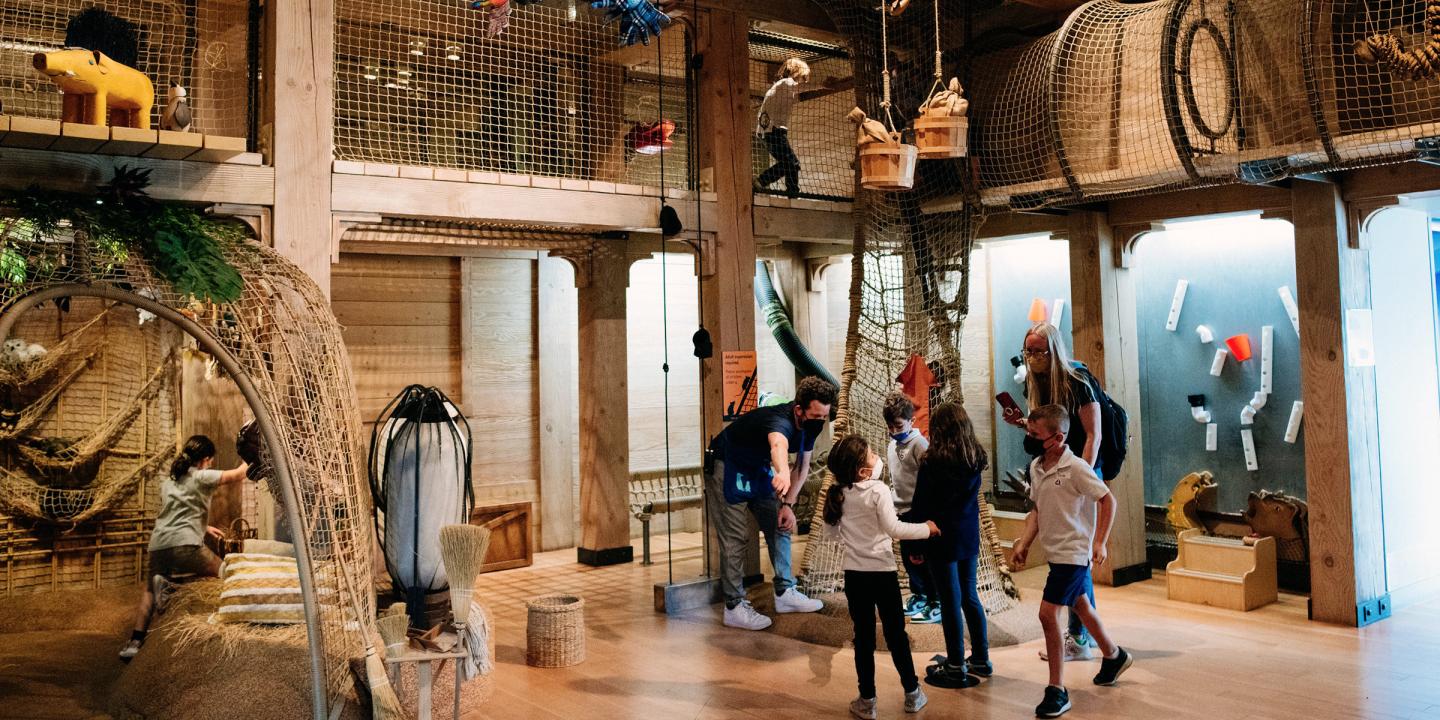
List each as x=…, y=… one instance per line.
x=915, y=381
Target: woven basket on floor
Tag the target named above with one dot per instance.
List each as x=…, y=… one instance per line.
x=555, y=631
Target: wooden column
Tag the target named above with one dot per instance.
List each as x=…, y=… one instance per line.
x=299, y=67
x=1105, y=338
x=1342, y=458
x=727, y=284
x=557, y=302
x=602, y=276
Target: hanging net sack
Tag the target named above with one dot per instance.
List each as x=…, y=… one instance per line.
x=420, y=480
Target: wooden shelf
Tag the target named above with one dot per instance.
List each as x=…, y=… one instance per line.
x=41, y=134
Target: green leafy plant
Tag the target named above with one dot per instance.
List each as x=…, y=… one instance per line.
x=186, y=248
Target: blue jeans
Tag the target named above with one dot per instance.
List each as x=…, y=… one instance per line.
x=955, y=585
x=1077, y=628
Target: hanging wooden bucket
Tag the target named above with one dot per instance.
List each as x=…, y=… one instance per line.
x=942, y=137
x=887, y=166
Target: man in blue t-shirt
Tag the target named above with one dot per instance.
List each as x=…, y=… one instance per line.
x=751, y=473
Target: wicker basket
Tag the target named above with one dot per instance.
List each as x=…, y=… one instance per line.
x=555, y=631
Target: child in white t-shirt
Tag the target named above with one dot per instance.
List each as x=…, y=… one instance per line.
x=861, y=512
x=772, y=123
x=1066, y=494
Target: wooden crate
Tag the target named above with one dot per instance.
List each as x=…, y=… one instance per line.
x=510, y=545
x=1223, y=572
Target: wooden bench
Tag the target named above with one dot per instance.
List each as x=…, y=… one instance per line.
x=648, y=497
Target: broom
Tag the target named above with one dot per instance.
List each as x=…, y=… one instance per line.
x=393, y=629
x=463, y=547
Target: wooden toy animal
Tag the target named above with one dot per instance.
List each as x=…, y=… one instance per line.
x=177, y=115
x=1193, y=492
x=98, y=90
x=1275, y=514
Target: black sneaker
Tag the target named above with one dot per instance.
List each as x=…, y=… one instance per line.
x=948, y=675
x=1110, y=668
x=1056, y=703
x=984, y=669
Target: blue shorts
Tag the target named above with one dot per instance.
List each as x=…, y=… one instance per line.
x=1066, y=584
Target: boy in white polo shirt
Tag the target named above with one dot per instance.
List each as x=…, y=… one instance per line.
x=1067, y=494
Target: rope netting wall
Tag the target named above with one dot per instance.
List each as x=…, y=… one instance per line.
x=85, y=437
x=422, y=83
x=286, y=342
x=1127, y=98
x=910, y=275
x=205, y=45
x=819, y=134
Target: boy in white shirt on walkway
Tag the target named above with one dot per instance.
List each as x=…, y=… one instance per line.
x=1066, y=494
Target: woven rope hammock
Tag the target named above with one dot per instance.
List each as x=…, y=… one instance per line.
x=15, y=381
x=21, y=495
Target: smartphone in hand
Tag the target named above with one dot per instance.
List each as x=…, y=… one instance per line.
x=1012, y=413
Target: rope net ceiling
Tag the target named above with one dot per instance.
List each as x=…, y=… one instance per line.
x=284, y=337
x=205, y=45
x=420, y=82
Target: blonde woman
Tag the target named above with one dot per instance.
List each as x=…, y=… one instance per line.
x=1055, y=379
x=773, y=122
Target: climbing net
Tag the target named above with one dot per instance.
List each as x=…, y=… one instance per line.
x=910, y=275
x=423, y=83
x=209, y=46
x=819, y=133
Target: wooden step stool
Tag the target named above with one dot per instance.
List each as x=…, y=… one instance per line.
x=1223, y=572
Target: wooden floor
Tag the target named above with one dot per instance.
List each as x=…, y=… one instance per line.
x=1191, y=661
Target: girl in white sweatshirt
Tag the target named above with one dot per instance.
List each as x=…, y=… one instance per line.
x=862, y=511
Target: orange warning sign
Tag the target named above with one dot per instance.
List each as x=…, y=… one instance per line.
x=740, y=383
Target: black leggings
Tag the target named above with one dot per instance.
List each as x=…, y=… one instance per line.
x=867, y=592
x=786, y=165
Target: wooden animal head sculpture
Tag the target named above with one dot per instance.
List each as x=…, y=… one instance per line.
x=1275, y=514
x=1194, y=492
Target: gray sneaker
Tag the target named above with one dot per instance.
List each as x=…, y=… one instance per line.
x=130, y=650
x=915, y=699
x=862, y=708
x=162, y=590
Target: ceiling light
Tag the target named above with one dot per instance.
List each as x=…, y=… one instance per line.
x=417, y=47
x=452, y=52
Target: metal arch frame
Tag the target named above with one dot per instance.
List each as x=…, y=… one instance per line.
x=280, y=461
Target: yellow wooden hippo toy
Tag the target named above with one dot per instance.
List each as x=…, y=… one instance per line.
x=98, y=90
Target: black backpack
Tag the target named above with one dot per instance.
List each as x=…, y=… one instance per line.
x=1114, y=428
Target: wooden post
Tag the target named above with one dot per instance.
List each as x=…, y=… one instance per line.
x=727, y=292
x=1342, y=458
x=602, y=277
x=1105, y=338
x=299, y=68
x=557, y=404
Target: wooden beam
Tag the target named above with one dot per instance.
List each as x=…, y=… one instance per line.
x=1192, y=203
x=1342, y=458
x=176, y=180
x=300, y=68
x=797, y=225
x=507, y=204
x=556, y=307
x=1380, y=181
x=604, y=408
x=1011, y=224
x=804, y=13
x=1102, y=298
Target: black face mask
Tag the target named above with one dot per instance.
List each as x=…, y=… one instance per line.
x=1034, y=447
x=813, y=428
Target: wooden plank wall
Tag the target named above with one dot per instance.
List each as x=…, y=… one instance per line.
x=976, y=380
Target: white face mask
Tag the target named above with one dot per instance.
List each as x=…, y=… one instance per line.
x=875, y=472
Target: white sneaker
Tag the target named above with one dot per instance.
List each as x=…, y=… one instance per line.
x=161, y=589
x=915, y=700
x=794, y=601
x=862, y=708
x=1073, y=651
x=130, y=650
x=743, y=616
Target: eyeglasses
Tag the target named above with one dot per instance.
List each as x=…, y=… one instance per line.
x=1036, y=353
